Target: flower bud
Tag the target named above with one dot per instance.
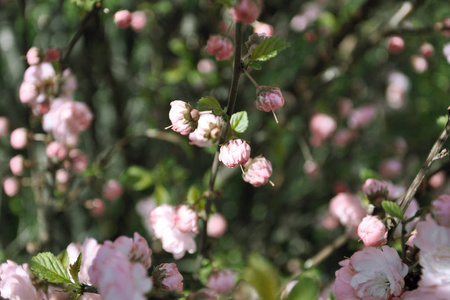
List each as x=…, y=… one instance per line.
x=220, y=46
x=321, y=127
x=390, y=168
x=268, y=98
x=419, y=64
x=17, y=165
x=53, y=54
x=396, y=44
x=11, y=185
x=34, y=56
x=62, y=176
x=437, y=180
x=138, y=20
x=208, y=130
x=183, y=117
x=28, y=92
x=4, y=126
x=376, y=191
x=167, y=277
x=372, y=232
x=263, y=29
x=79, y=160
x=440, y=209
x=217, y=226
x=221, y=282
x=246, y=11
x=257, y=171
x=427, y=50
x=96, y=207
x=112, y=189
x=56, y=150
x=234, y=152
x=19, y=138
x=206, y=66
x=122, y=18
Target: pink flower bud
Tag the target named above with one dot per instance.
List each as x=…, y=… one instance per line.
x=56, y=150
x=330, y=222
x=221, y=282
x=441, y=210
x=246, y=11
x=372, y=232
x=19, y=138
x=208, y=130
x=321, y=127
x=96, y=207
x=390, y=168
x=427, y=50
x=344, y=137
x=11, y=185
x=112, y=189
x=138, y=20
x=376, y=191
x=53, y=54
x=167, y=277
x=183, y=117
x=217, y=226
x=28, y=92
x=206, y=66
x=79, y=160
x=62, y=176
x=4, y=126
x=17, y=165
x=123, y=18
x=396, y=44
x=362, y=116
x=345, y=107
x=220, y=46
x=186, y=219
x=262, y=28
x=33, y=56
x=419, y=64
x=257, y=171
x=437, y=180
x=234, y=152
x=268, y=98
x=312, y=169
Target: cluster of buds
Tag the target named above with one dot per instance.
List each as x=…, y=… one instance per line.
x=136, y=20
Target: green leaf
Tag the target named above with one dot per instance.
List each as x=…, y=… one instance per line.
x=210, y=103
x=239, y=122
x=227, y=3
x=255, y=66
x=393, y=209
x=75, y=296
x=72, y=287
x=307, y=288
x=268, y=48
x=263, y=276
x=50, y=268
x=442, y=121
x=366, y=173
x=75, y=269
x=63, y=257
x=137, y=178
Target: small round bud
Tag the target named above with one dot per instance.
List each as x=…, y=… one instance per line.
x=246, y=11
x=390, y=168
x=372, y=232
x=217, y=226
x=427, y=50
x=376, y=191
x=17, y=165
x=79, y=160
x=56, y=150
x=206, y=66
x=112, y=189
x=268, y=98
x=167, y=277
x=221, y=282
x=62, y=176
x=234, y=152
x=183, y=117
x=257, y=171
x=28, y=92
x=123, y=18
x=321, y=127
x=96, y=207
x=11, y=185
x=138, y=20
x=34, y=56
x=4, y=126
x=220, y=46
x=53, y=54
x=419, y=64
x=19, y=138
x=396, y=44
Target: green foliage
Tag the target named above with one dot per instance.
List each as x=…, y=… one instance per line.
x=268, y=48
x=209, y=103
x=49, y=267
x=366, y=173
x=263, y=276
x=442, y=121
x=85, y=5
x=239, y=122
x=392, y=209
x=75, y=269
x=63, y=257
x=137, y=178
x=307, y=287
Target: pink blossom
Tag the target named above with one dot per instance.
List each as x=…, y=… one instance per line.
x=4, y=126
x=221, y=282
x=11, y=185
x=234, y=152
x=112, y=189
x=79, y=160
x=217, y=226
x=116, y=277
x=206, y=66
x=321, y=127
x=440, y=209
x=69, y=84
x=345, y=107
x=446, y=51
x=220, y=46
x=330, y=221
x=419, y=64
x=41, y=74
x=183, y=117
x=435, y=292
x=437, y=180
x=395, y=191
x=17, y=165
x=15, y=283
x=376, y=191
x=138, y=20
x=308, y=15
x=167, y=277
x=33, y=56
x=312, y=169
x=123, y=18
x=53, y=54
x=398, y=86
x=257, y=171
x=268, y=98
x=371, y=274
x=88, y=252
x=344, y=137
x=62, y=176
x=163, y=220
x=427, y=50
x=136, y=249
x=97, y=207
x=186, y=219
x=56, y=150
x=362, y=116
x=372, y=231
x=262, y=28
x=208, y=131
x=19, y=138
x=390, y=168
x=396, y=44
x=246, y=11
x=28, y=92
x=348, y=210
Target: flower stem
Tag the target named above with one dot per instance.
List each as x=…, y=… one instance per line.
x=252, y=80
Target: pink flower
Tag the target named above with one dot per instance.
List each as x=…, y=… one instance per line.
x=372, y=232
x=221, y=282
x=268, y=98
x=246, y=11
x=15, y=283
x=69, y=84
x=321, y=127
x=311, y=169
x=348, y=210
x=136, y=250
x=17, y=165
x=435, y=292
x=33, y=56
x=56, y=150
x=96, y=207
x=220, y=46
x=208, y=131
x=440, y=209
x=88, y=252
x=19, y=138
x=344, y=137
x=163, y=220
x=112, y=189
x=437, y=180
x=62, y=176
x=186, y=219
x=257, y=171
x=262, y=28
x=376, y=191
x=167, y=277
x=419, y=64
x=183, y=117
x=28, y=92
x=390, y=168
x=371, y=274
x=398, y=86
x=330, y=221
x=53, y=54
x=345, y=107
x=4, y=126
x=234, y=152
x=206, y=66
x=123, y=18
x=11, y=185
x=427, y=50
x=78, y=160
x=217, y=226
x=396, y=44
x=362, y=116
x=138, y=20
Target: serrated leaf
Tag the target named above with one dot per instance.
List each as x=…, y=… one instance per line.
x=63, y=257
x=210, y=103
x=307, y=288
x=72, y=287
x=255, y=66
x=239, y=122
x=268, y=48
x=137, y=178
x=393, y=209
x=49, y=267
x=263, y=276
x=75, y=269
